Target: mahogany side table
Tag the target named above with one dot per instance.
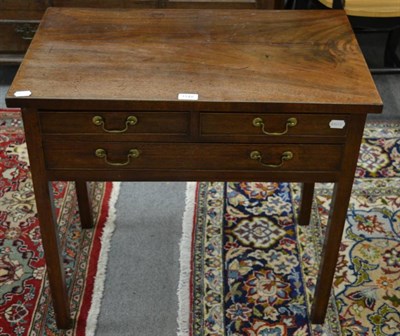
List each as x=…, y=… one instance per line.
x=230, y=95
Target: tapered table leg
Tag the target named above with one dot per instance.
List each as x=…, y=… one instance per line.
x=47, y=220
x=333, y=237
x=306, y=203
x=53, y=255
x=84, y=204
x=338, y=213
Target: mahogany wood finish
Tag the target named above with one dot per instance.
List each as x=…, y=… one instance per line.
x=146, y=124
x=224, y=4
x=221, y=156
x=372, y=16
x=91, y=72
x=47, y=220
x=84, y=204
x=241, y=124
x=306, y=203
x=19, y=19
x=338, y=213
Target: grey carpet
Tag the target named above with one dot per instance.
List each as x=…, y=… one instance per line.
x=388, y=85
x=7, y=74
x=143, y=267
x=389, y=89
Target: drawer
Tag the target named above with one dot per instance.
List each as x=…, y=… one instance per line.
x=106, y=4
x=114, y=123
x=191, y=156
x=15, y=36
x=264, y=126
x=215, y=4
x=23, y=9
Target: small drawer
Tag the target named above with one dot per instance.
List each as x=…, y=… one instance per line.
x=264, y=126
x=15, y=36
x=114, y=123
x=214, y=4
x=106, y=4
x=191, y=156
x=23, y=10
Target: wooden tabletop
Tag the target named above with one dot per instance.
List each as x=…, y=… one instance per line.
x=285, y=58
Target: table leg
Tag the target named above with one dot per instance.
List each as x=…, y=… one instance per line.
x=337, y=217
x=47, y=220
x=53, y=255
x=307, y=195
x=330, y=254
x=84, y=204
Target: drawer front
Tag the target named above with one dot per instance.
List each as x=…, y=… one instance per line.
x=23, y=9
x=264, y=126
x=106, y=4
x=214, y=4
x=114, y=123
x=15, y=37
x=188, y=156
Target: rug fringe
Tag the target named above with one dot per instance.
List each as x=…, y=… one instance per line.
x=185, y=261
x=98, y=288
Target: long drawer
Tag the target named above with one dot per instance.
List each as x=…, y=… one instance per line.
x=193, y=156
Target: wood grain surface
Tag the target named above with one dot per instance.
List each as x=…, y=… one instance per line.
x=283, y=57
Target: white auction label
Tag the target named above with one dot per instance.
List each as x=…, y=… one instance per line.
x=26, y=93
x=188, y=96
x=337, y=124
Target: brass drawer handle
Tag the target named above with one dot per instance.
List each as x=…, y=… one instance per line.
x=130, y=121
x=26, y=29
x=102, y=154
x=258, y=122
x=286, y=156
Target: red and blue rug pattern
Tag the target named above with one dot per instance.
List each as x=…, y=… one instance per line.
x=25, y=302
x=254, y=269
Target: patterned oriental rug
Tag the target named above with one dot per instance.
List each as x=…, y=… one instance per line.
x=25, y=303
x=253, y=270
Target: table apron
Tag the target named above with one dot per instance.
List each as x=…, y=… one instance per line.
x=191, y=175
